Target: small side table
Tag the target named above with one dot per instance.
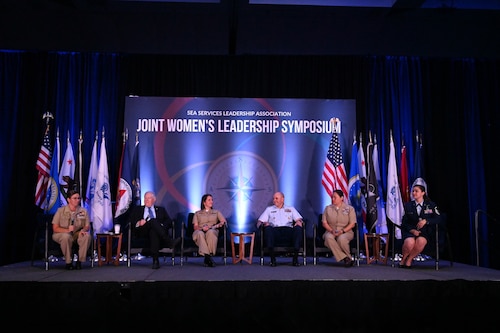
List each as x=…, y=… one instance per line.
x=241, y=253
x=109, y=248
x=376, y=240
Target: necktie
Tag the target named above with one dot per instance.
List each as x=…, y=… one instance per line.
x=419, y=208
x=151, y=215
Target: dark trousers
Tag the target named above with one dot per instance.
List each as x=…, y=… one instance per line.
x=283, y=236
x=158, y=236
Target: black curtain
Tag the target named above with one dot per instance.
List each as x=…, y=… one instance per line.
x=453, y=103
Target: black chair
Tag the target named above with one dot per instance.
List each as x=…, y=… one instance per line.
x=436, y=246
x=283, y=249
x=189, y=246
x=319, y=244
x=51, y=249
x=139, y=244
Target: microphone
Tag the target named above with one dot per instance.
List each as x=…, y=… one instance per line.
x=72, y=222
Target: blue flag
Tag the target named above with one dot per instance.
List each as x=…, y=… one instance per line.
x=91, y=180
x=354, y=188
x=418, y=169
x=53, y=189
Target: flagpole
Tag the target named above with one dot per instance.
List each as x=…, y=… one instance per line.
x=80, y=158
x=47, y=116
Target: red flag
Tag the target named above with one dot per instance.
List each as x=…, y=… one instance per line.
x=124, y=191
x=136, y=175
x=43, y=166
x=405, y=188
x=334, y=174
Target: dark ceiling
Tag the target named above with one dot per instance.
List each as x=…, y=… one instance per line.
x=448, y=28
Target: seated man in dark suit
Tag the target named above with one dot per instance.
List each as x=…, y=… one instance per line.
x=153, y=222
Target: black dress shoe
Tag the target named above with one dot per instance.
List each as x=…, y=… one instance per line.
x=156, y=263
x=348, y=262
x=78, y=265
x=208, y=262
x=69, y=267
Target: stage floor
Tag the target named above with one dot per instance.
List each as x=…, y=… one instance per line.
x=326, y=269
x=326, y=296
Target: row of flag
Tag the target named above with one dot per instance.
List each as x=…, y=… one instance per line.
x=57, y=176
x=364, y=189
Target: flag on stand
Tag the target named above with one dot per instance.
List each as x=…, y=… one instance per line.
x=354, y=188
x=103, y=215
x=124, y=192
x=394, y=205
x=405, y=188
x=53, y=191
x=371, y=189
x=136, y=175
x=334, y=174
x=381, y=227
x=79, y=167
x=89, y=195
x=43, y=165
x=418, y=169
x=67, y=172
x=362, y=180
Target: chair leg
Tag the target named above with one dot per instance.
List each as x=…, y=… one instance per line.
x=46, y=254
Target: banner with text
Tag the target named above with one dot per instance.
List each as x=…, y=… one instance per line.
x=241, y=150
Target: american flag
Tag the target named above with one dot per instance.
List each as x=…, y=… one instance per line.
x=43, y=167
x=334, y=175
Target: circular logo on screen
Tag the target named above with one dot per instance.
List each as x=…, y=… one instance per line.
x=242, y=184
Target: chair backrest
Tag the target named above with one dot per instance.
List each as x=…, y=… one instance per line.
x=438, y=242
x=188, y=245
x=320, y=230
x=190, y=226
x=319, y=245
x=139, y=244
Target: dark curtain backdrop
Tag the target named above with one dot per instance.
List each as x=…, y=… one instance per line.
x=453, y=103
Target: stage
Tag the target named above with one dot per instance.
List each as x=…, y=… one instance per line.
x=246, y=297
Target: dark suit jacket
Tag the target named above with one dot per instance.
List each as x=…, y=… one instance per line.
x=429, y=212
x=137, y=214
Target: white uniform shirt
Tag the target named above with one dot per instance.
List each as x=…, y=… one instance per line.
x=280, y=217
